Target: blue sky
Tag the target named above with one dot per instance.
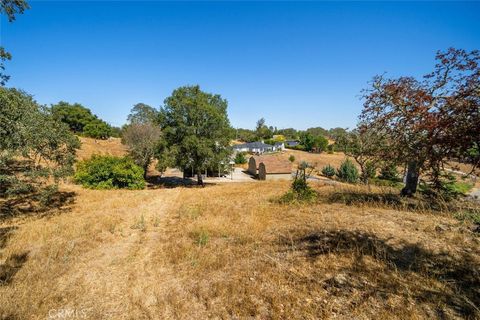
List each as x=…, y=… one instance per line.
x=297, y=64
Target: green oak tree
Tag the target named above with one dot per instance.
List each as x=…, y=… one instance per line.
x=142, y=113
x=196, y=129
x=35, y=149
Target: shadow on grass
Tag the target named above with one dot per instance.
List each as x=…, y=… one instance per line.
x=11, y=266
x=461, y=274
x=29, y=205
x=396, y=201
x=5, y=233
x=158, y=182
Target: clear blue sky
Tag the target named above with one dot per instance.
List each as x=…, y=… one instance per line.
x=296, y=64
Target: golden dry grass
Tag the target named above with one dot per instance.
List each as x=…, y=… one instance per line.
x=229, y=251
x=89, y=147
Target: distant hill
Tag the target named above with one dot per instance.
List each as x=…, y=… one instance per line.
x=111, y=146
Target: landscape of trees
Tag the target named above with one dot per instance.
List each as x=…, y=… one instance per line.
x=416, y=125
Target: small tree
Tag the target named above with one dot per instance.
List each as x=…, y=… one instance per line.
x=328, y=171
x=291, y=158
x=142, y=113
x=320, y=143
x=300, y=190
x=364, y=147
x=142, y=141
x=240, y=158
x=389, y=172
x=347, y=172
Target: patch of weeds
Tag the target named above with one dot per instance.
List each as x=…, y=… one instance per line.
x=201, y=238
x=111, y=227
x=462, y=187
x=156, y=221
x=190, y=212
x=140, y=224
x=468, y=215
x=307, y=196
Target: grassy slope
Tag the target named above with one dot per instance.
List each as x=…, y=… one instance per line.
x=90, y=146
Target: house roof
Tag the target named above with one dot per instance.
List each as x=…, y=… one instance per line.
x=274, y=164
x=251, y=145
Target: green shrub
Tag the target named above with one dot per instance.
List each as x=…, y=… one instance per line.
x=97, y=129
x=389, y=172
x=328, y=171
x=347, y=172
x=300, y=190
x=108, y=172
x=369, y=173
x=240, y=158
x=291, y=158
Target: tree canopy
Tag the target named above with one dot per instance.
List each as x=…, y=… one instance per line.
x=34, y=146
x=142, y=113
x=81, y=120
x=196, y=129
x=428, y=121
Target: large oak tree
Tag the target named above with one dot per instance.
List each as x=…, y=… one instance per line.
x=196, y=129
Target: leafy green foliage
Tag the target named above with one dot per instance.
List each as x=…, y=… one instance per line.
x=109, y=172
x=97, y=129
x=245, y=135
x=389, y=172
x=35, y=149
x=240, y=158
x=348, y=172
x=300, y=190
x=328, y=171
x=81, y=120
x=291, y=158
x=448, y=189
x=369, y=171
x=196, y=130
x=262, y=131
x=142, y=113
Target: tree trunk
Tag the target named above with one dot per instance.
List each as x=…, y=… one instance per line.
x=412, y=179
x=200, y=178
x=145, y=169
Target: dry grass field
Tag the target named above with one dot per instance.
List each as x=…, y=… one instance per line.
x=112, y=146
x=231, y=251
x=318, y=159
